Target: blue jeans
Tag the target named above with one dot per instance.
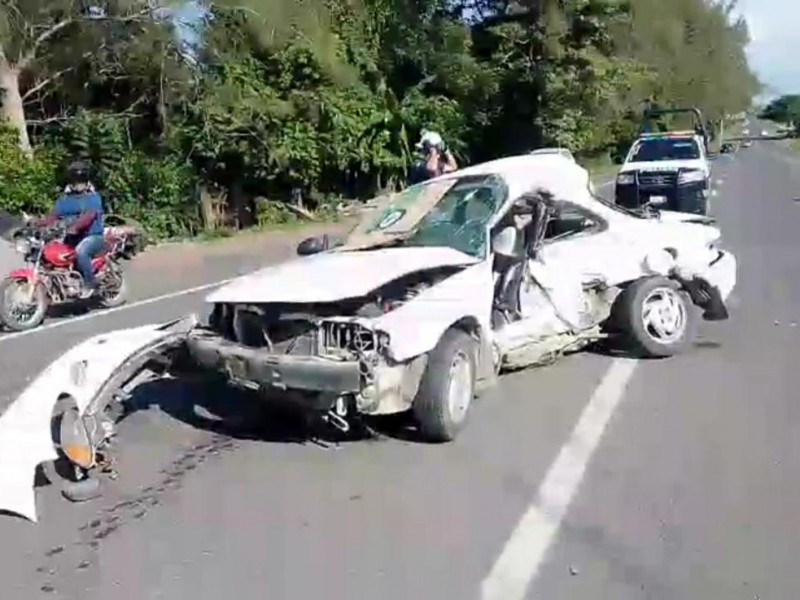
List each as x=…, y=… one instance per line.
x=87, y=249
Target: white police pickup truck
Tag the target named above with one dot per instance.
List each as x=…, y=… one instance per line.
x=668, y=171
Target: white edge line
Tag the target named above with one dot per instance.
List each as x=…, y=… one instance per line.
x=99, y=313
x=525, y=551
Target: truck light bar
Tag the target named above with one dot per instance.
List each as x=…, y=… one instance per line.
x=668, y=134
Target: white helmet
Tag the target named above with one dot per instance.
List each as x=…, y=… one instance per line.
x=430, y=139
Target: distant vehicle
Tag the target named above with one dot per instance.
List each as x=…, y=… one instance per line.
x=669, y=171
x=747, y=143
x=560, y=151
x=764, y=133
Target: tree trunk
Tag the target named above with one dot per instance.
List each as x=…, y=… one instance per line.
x=13, y=107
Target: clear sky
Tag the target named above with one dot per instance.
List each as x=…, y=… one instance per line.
x=775, y=30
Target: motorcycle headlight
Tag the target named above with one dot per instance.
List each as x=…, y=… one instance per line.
x=22, y=246
x=625, y=179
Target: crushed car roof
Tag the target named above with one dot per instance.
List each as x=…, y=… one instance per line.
x=527, y=172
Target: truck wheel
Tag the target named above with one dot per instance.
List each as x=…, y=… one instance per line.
x=658, y=318
x=447, y=387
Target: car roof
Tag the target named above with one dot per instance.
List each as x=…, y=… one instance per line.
x=527, y=172
x=551, y=151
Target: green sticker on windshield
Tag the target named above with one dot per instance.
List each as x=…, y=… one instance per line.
x=391, y=217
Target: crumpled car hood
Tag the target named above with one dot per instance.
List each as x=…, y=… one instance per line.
x=333, y=276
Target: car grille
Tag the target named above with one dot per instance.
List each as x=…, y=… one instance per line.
x=348, y=336
x=657, y=179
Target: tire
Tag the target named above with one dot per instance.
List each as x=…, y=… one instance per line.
x=439, y=410
x=647, y=341
x=59, y=471
x=35, y=319
x=121, y=296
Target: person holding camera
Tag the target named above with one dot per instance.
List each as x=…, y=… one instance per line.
x=436, y=158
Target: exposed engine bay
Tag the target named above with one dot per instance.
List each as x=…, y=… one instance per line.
x=329, y=330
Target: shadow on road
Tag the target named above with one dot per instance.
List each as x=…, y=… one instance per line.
x=244, y=415
x=610, y=347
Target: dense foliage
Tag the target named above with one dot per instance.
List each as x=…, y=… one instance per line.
x=190, y=115
x=785, y=110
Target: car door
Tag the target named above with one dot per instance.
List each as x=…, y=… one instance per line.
x=573, y=255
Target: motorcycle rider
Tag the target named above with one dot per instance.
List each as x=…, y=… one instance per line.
x=436, y=158
x=82, y=208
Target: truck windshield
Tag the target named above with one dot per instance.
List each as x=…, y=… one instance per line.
x=665, y=149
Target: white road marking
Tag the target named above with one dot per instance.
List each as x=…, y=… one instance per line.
x=99, y=313
x=525, y=551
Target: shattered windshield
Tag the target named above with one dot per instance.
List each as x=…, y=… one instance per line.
x=453, y=213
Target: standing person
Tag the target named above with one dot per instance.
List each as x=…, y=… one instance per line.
x=436, y=158
x=82, y=208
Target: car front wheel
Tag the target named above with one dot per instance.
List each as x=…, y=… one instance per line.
x=657, y=316
x=447, y=387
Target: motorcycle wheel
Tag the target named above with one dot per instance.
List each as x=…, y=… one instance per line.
x=37, y=310
x=113, y=288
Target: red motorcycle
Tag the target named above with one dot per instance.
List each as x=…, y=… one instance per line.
x=52, y=278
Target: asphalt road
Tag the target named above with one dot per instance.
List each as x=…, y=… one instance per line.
x=597, y=477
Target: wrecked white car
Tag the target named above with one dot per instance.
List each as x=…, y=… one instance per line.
x=502, y=265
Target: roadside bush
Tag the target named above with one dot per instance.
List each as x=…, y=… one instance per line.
x=26, y=184
x=273, y=213
x=158, y=192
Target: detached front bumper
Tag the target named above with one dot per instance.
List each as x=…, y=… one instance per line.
x=256, y=368
x=722, y=273
x=711, y=286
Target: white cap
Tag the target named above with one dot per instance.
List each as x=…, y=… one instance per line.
x=430, y=138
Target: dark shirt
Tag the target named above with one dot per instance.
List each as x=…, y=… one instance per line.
x=419, y=173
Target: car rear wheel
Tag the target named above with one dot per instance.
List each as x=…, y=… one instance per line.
x=447, y=387
x=113, y=288
x=658, y=318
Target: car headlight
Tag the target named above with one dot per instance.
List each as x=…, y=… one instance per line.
x=625, y=179
x=22, y=246
x=691, y=176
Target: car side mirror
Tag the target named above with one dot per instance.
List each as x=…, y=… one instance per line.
x=313, y=245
